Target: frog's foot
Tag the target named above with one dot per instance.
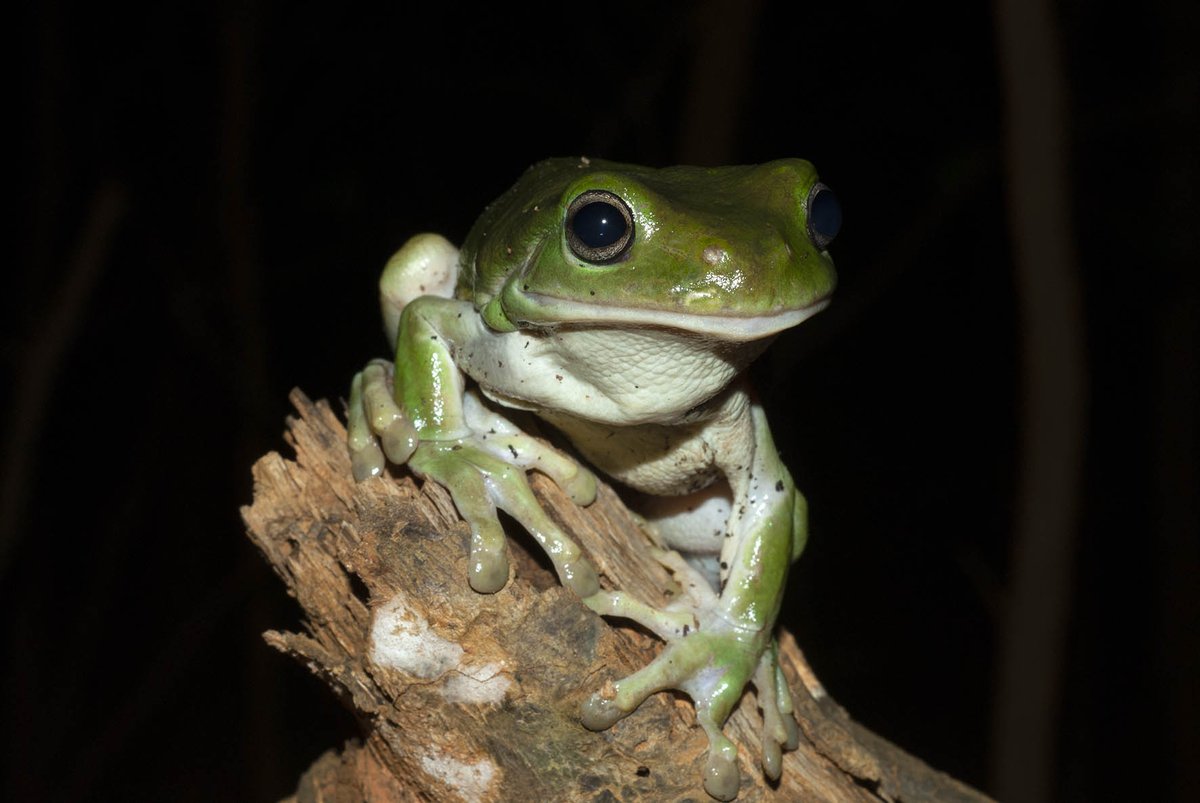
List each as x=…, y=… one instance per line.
x=375, y=421
x=486, y=471
x=710, y=660
x=779, y=731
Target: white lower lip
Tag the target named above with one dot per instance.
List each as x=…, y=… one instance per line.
x=725, y=327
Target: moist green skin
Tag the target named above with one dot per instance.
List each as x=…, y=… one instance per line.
x=753, y=213
x=639, y=362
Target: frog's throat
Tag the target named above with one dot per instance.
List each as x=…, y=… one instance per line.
x=537, y=309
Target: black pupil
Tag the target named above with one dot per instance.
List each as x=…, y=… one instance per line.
x=825, y=214
x=599, y=224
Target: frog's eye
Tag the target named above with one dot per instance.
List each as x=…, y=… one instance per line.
x=599, y=227
x=824, y=215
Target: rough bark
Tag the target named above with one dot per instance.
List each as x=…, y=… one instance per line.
x=465, y=696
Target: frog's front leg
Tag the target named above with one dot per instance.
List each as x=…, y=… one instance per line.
x=477, y=455
x=729, y=643
x=418, y=411
x=378, y=430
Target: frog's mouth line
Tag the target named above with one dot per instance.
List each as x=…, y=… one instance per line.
x=725, y=327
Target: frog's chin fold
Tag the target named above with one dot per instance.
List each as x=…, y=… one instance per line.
x=538, y=310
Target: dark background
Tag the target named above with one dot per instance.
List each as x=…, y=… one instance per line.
x=205, y=197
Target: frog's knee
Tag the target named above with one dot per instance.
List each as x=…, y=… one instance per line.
x=426, y=265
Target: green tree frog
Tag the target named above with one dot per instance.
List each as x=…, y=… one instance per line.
x=621, y=304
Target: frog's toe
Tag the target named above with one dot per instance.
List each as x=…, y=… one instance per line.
x=381, y=412
x=671, y=669
x=581, y=486
x=366, y=458
x=666, y=624
x=580, y=576
x=487, y=569
x=488, y=572
x=779, y=731
x=772, y=758
x=366, y=461
x=399, y=440
x=510, y=492
x=721, y=779
x=793, y=733
x=600, y=713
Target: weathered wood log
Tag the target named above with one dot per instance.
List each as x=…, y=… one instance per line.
x=466, y=696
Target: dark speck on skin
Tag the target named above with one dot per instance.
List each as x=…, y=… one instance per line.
x=512, y=449
x=590, y=783
x=779, y=486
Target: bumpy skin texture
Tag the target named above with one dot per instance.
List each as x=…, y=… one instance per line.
x=636, y=353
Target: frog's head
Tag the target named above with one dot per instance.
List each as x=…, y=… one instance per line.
x=734, y=253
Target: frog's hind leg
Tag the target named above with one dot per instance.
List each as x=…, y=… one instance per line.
x=715, y=687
